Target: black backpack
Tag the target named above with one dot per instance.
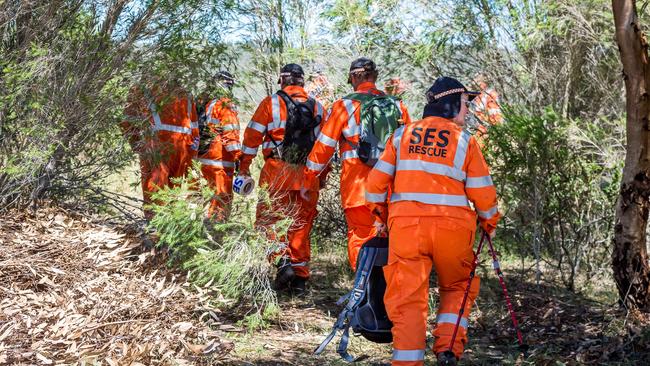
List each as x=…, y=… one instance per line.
x=299, y=136
x=364, y=312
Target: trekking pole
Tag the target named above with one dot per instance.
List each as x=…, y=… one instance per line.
x=523, y=347
x=462, y=306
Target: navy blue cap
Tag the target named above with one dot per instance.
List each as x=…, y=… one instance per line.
x=443, y=98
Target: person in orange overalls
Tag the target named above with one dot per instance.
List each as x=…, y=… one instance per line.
x=486, y=108
x=283, y=180
x=219, y=146
x=343, y=127
x=167, y=141
x=396, y=87
x=433, y=169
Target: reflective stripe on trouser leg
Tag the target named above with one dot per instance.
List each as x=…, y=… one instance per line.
x=360, y=229
x=453, y=241
x=407, y=289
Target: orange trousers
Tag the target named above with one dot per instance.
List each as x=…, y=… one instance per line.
x=161, y=162
x=288, y=203
x=220, y=181
x=417, y=244
x=360, y=229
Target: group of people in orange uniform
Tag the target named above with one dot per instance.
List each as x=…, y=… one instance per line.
x=427, y=191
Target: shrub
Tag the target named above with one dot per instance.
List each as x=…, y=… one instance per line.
x=557, y=181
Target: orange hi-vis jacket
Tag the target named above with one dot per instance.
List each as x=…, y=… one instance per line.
x=172, y=119
x=433, y=168
x=487, y=109
x=266, y=128
x=223, y=123
x=343, y=128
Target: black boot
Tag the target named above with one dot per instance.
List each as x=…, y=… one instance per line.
x=299, y=286
x=285, y=274
x=447, y=358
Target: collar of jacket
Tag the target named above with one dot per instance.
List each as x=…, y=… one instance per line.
x=436, y=119
x=295, y=91
x=365, y=87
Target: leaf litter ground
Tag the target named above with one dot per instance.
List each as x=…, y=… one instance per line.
x=74, y=290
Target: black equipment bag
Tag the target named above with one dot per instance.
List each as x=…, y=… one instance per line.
x=364, y=312
x=299, y=136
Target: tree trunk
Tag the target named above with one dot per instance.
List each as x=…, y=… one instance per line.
x=630, y=254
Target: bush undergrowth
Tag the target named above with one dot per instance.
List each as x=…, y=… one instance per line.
x=229, y=255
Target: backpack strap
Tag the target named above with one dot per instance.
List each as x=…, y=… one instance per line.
x=354, y=297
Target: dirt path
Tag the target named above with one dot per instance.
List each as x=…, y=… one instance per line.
x=73, y=290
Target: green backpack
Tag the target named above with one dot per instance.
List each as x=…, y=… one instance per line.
x=380, y=115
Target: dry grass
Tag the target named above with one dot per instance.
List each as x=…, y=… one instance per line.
x=73, y=291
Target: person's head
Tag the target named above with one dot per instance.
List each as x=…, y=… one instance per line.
x=448, y=98
x=362, y=70
x=395, y=86
x=225, y=79
x=291, y=74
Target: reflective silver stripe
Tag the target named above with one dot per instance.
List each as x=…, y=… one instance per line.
x=214, y=121
x=208, y=112
x=432, y=168
x=353, y=127
x=301, y=264
x=385, y=167
x=189, y=109
x=319, y=110
x=376, y=197
x=219, y=163
x=432, y=198
x=397, y=138
x=270, y=145
x=478, y=182
x=249, y=150
x=257, y=126
x=451, y=318
x=233, y=147
x=408, y=355
x=486, y=215
x=317, y=130
x=461, y=150
x=327, y=140
x=171, y=128
x=351, y=154
x=275, y=111
x=194, y=124
x=493, y=111
x=159, y=126
x=315, y=166
x=231, y=127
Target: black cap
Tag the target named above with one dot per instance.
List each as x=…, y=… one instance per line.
x=225, y=77
x=292, y=70
x=444, y=86
x=443, y=98
x=362, y=64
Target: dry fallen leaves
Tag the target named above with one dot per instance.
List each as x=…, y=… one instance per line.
x=71, y=290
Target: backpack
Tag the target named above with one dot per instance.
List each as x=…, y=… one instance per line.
x=364, y=312
x=379, y=117
x=205, y=135
x=299, y=136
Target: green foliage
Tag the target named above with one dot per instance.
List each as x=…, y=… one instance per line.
x=229, y=255
x=557, y=193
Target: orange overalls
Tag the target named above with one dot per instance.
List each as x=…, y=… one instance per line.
x=343, y=127
x=167, y=148
x=434, y=170
x=283, y=180
x=487, y=109
x=218, y=163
